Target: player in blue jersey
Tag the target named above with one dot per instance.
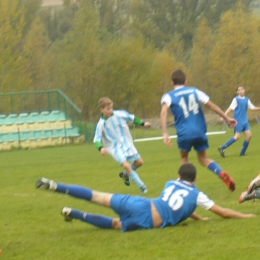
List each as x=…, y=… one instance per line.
x=240, y=104
x=185, y=104
x=176, y=203
x=113, y=136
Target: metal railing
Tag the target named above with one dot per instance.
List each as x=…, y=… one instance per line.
x=38, y=101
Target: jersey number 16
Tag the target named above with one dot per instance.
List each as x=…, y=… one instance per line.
x=174, y=198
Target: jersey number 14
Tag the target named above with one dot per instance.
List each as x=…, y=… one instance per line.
x=191, y=106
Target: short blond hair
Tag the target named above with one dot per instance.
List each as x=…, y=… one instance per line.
x=104, y=101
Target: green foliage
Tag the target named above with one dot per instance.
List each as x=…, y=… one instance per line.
x=12, y=65
x=32, y=227
x=158, y=21
x=203, y=43
x=114, y=15
x=76, y=66
x=31, y=8
x=35, y=47
x=234, y=54
x=128, y=49
x=59, y=21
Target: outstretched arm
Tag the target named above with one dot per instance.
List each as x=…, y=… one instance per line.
x=166, y=137
x=138, y=121
x=228, y=111
x=229, y=213
x=198, y=217
x=215, y=108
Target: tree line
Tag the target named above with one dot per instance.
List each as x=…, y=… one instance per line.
x=127, y=50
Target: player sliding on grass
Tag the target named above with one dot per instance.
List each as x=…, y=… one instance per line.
x=113, y=136
x=185, y=104
x=176, y=203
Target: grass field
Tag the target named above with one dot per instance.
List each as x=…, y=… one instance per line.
x=31, y=226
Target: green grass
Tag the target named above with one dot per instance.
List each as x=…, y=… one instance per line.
x=31, y=226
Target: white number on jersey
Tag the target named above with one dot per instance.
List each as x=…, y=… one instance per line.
x=175, y=199
x=192, y=105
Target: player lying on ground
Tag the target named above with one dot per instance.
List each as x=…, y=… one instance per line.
x=252, y=192
x=176, y=203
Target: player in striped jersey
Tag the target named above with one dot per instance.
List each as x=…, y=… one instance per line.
x=113, y=136
x=240, y=104
x=185, y=104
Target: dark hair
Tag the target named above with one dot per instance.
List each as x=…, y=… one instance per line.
x=188, y=172
x=178, y=77
x=239, y=86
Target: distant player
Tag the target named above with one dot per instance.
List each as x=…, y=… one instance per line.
x=240, y=104
x=185, y=104
x=176, y=203
x=113, y=136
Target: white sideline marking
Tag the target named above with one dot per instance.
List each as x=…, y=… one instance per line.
x=174, y=136
x=23, y=194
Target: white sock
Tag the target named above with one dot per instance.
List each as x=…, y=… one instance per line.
x=53, y=185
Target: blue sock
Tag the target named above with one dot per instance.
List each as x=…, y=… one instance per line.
x=136, y=179
x=215, y=168
x=75, y=191
x=96, y=220
x=228, y=143
x=245, y=145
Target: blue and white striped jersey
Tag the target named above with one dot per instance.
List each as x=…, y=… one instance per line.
x=178, y=201
x=114, y=133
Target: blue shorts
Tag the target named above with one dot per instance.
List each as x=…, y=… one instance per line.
x=239, y=128
x=199, y=143
x=135, y=212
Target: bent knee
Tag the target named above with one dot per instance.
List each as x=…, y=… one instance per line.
x=139, y=162
x=237, y=136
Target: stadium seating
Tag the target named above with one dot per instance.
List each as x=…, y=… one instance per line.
x=36, y=129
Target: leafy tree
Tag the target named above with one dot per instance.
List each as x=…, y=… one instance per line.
x=78, y=57
x=234, y=57
x=159, y=21
x=114, y=15
x=31, y=9
x=176, y=48
x=59, y=21
x=35, y=48
x=12, y=65
x=203, y=43
x=127, y=74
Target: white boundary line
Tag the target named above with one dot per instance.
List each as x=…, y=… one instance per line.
x=174, y=136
